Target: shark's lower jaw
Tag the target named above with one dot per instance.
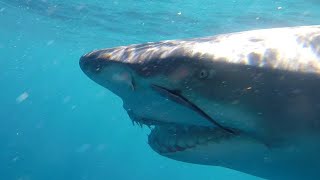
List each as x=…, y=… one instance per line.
x=173, y=137
x=176, y=138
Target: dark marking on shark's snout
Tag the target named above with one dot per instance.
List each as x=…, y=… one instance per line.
x=270, y=57
x=255, y=40
x=311, y=40
x=254, y=58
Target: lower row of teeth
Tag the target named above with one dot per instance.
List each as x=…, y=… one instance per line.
x=178, y=142
x=179, y=138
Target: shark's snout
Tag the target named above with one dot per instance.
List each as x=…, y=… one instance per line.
x=93, y=62
x=99, y=66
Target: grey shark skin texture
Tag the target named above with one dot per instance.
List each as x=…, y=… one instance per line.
x=247, y=101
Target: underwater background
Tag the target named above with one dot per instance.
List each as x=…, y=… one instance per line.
x=56, y=124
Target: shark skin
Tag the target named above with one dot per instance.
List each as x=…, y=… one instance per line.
x=248, y=101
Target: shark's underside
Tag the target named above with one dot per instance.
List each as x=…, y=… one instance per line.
x=248, y=101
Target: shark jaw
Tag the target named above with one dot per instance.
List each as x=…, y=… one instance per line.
x=170, y=139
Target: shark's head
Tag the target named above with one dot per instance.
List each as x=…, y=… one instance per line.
x=154, y=87
x=180, y=94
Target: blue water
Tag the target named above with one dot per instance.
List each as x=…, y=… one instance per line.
x=55, y=123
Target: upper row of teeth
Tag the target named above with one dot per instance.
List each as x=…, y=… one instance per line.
x=171, y=126
x=140, y=123
x=144, y=121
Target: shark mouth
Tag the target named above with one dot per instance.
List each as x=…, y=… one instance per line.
x=177, y=138
x=172, y=137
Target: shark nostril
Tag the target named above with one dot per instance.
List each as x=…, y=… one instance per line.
x=88, y=64
x=89, y=58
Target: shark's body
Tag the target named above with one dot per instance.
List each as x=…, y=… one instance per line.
x=248, y=101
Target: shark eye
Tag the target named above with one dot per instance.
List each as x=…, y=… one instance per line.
x=203, y=74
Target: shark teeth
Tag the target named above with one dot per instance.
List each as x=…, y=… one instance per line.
x=142, y=121
x=170, y=138
x=141, y=124
x=175, y=138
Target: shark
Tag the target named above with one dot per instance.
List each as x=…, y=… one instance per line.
x=247, y=101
